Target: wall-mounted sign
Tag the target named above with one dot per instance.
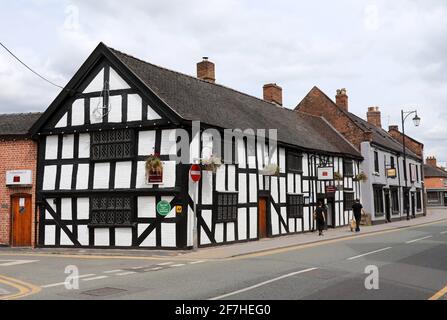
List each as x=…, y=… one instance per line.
x=331, y=189
x=19, y=178
x=164, y=208
x=392, y=173
x=326, y=173
x=154, y=170
x=179, y=209
x=413, y=173
x=195, y=173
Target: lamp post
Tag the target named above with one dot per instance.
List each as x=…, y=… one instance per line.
x=417, y=123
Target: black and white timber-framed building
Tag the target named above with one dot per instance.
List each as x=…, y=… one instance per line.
x=92, y=187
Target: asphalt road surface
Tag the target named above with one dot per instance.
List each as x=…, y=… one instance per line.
x=401, y=264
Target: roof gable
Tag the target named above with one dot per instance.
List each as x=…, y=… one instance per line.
x=17, y=124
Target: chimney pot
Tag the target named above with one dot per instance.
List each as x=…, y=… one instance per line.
x=342, y=99
x=206, y=70
x=374, y=116
x=273, y=93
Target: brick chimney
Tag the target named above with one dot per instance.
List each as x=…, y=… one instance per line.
x=374, y=116
x=431, y=161
x=393, y=128
x=206, y=70
x=342, y=99
x=273, y=93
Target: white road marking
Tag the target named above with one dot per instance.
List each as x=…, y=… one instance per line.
x=197, y=262
x=417, y=240
x=165, y=264
x=263, y=284
x=4, y=292
x=126, y=273
x=9, y=263
x=63, y=283
x=113, y=271
x=369, y=253
x=95, y=278
x=177, y=265
x=138, y=268
x=445, y=232
x=153, y=269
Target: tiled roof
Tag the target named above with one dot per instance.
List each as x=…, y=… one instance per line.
x=434, y=172
x=17, y=124
x=213, y=104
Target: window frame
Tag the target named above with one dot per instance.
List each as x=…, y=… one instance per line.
x=295, y=209
x=93, y=223
x=379, y=208
x=101, y=142
x=395, y=203
x=299, y=157
x=347, y=202
x=349, y=164
x=234, y=206
x=376, y=162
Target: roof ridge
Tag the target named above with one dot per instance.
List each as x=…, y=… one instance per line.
x=20, y=113
x=198, y=79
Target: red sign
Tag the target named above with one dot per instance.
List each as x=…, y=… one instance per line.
x=331, y=189
x=195, y=173
x=16, y=179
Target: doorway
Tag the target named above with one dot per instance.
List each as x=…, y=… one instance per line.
x=445, y=199
x=263, y=233
x=387, y=205
x=413, y=204
x=330, y=213
x=21, y=221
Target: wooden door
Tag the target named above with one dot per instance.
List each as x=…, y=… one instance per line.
x=21, y=221
x=263, y=218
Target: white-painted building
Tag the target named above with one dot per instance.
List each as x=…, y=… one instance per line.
x=94, y=189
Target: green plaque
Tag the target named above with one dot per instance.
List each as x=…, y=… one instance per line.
x=164, y=208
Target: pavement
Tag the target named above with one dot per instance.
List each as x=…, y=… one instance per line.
x=404, y=260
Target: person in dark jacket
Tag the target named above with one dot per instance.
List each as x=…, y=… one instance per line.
x=358, y=210
x=320, y=219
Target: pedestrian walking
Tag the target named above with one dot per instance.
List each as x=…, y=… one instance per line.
x=358, y=210
x=319, y=216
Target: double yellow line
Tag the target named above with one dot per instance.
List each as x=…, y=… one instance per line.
x=25, y=289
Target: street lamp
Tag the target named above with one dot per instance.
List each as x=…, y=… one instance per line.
x=417, y=123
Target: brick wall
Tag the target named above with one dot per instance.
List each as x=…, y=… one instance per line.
x=318, y=104
x=416, y=147
x=15, y=155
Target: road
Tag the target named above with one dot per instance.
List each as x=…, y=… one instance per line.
x=411, y=264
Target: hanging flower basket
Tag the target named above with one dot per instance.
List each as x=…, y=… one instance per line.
x=362, y=177
x=338, y=176
x=154, y=169
x=211, y=164
x=271, y=170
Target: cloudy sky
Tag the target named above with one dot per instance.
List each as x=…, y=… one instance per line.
x=390, y=54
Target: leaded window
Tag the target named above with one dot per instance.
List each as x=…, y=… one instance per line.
x=227, y=207
x=348, y=200
x=112, y=145
x=295, y=206
x=294, y=162
x=111, y=211
x=348, y=168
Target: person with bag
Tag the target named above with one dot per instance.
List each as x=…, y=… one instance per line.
x=358, y=210
x=319, y=216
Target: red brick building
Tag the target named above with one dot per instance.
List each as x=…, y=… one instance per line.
x=18, y=154
x=435, y=183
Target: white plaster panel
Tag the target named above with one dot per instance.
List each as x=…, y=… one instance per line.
x=253, y=189
x=168, y=235
x=83, y=235
x=220, y=179
x=66, y=209
x=82, y=176
x=242, y=188
x=50, y=235
x=51, y=147
x=152, y=114
x=83, y=211
x=146, y=143
x=123, y=175
x=62, y=122
x=116, y=82
x=49, y=177
x=231, y=232
x=219, y=233
x=207, y=188
x=115, y=114
x=146, y=207
x=168, y=142
x=102, y=176
x=253, y=223
x=123, y=237
x=68, y=146
x=96, y=111
x=102, y=237
x=97, y=84
x=84, y=146
x=242, y=223
x=134, y=108
x=65, y=240
x=78, y=113
x=151, y=240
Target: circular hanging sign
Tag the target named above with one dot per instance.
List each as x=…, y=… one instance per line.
x=164, y=208
x=195, y=173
